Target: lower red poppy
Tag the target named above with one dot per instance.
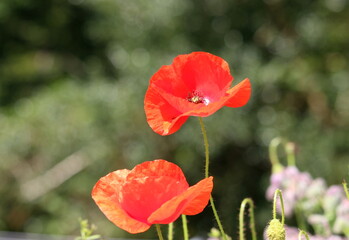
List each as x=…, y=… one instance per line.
x=154, y=192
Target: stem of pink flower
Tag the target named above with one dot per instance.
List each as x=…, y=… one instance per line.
x=170, y=231
x=158, y=230
x=300, y=218
x=290, y=149
x=185, y=227
x=207, y=165
x=242, y=222
x=273, y=155
x=346, y=189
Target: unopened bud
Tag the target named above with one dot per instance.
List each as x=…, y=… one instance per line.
x=275, y=230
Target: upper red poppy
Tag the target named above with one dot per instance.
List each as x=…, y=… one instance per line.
x=196, y=84
x=152, y=192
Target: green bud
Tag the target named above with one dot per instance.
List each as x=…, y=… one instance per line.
x=215, y=233
x=275, y=230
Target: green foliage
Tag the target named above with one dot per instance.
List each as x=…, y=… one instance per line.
x=86, y=231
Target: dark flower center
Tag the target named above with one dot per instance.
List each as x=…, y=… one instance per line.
x=196, y=97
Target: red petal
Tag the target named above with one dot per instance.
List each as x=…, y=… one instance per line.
x=149, y=185
x=160, y=113
x=203, y=72
x=240, y=94
x=190, y=202
x=198, y=204
x=167, y=79
x=106, y=195
x=157, y=168
x=199, y=71
x=235, y=97
x=142, y=196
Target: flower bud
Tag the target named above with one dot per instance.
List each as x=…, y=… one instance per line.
x=275, y=230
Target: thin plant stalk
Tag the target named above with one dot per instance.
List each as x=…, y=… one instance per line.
x=303, y=233
x=207, y=165
x=290, y=148
x=247, y=201
x=299, y=218
x=170, y=231
x=158, y=230
x=278, y=193
x=346, y=189
x=185, y=227
x=274, y=159
x=207, y=153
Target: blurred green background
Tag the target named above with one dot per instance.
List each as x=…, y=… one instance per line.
x=73, y=74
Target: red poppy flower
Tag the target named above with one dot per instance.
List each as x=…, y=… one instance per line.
x=195, y=84
x=154, y=192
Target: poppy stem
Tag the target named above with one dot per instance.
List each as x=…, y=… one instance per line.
x=215, y=213
x=247, y=201
x=170, y=231
x=158, y=230
x=207, y=153
x=207, y=165
x=185, y=227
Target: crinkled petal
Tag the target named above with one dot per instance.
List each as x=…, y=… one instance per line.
x=190, y=202
x=198, y=204
x=239, y=94
x=235, y=97
x=160, y=113
x=106, y=195
x=195, y=71
x=203, y=72
x=142, y=196
x=149, y=185
x=168, y=80
x=157, y=168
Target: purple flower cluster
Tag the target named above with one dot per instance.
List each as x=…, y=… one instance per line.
x=326, y=209
x=293, y=184
x=292, y=234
